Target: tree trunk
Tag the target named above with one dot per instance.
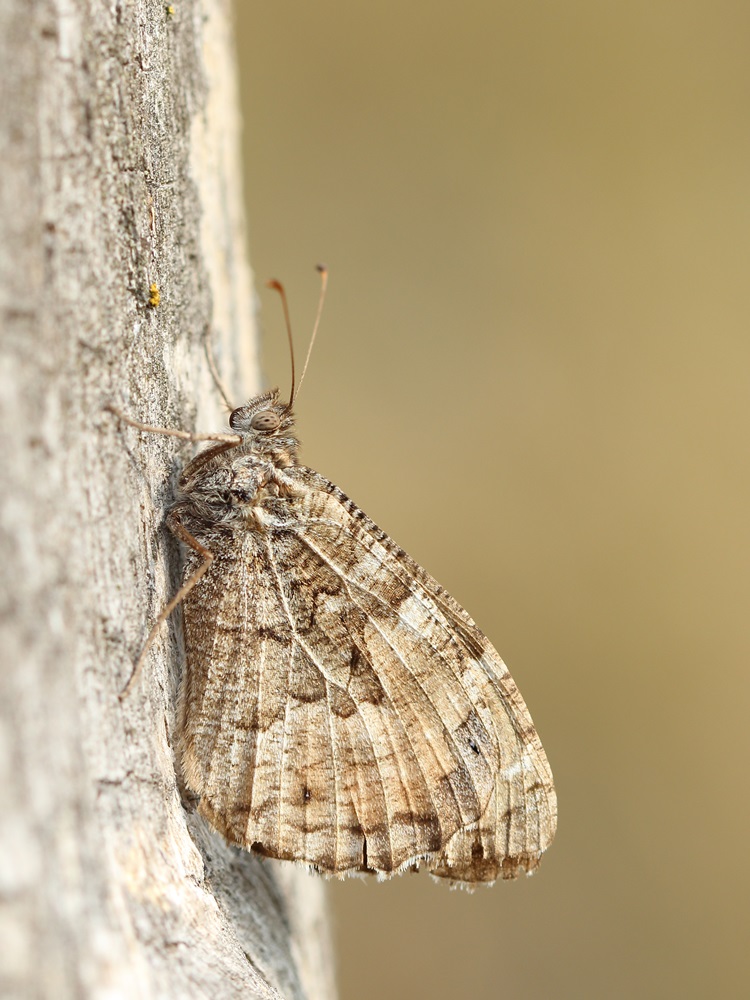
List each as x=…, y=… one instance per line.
x=121, y=242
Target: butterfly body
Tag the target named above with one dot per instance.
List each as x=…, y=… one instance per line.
x=338, y=708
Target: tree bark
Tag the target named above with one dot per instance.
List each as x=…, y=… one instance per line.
x=121, y=242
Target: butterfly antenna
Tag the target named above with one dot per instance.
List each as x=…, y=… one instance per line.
x=323, y=270
x=278, y=287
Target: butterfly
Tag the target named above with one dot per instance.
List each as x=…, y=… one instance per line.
x=338, y=707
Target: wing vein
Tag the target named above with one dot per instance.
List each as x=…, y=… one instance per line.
x=455, y=751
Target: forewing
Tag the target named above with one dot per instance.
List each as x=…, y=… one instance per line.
x=367, y=723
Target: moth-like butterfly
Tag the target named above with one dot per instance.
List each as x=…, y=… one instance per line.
x=337, y=706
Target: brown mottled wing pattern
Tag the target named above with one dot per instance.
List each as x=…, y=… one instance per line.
x=367, y=723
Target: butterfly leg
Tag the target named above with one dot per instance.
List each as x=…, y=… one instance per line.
x=178, y=529
x=171, y=431
x=214, y=369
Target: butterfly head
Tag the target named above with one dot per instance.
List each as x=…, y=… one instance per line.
x=265, y=422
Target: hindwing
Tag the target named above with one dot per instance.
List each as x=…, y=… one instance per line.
x=341, y=709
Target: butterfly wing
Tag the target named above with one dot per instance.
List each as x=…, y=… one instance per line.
x=366, y=723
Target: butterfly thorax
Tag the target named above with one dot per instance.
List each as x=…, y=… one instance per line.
x=221, y=488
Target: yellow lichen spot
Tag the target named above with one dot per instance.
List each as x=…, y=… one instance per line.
x=154, y=297
x=170, y=10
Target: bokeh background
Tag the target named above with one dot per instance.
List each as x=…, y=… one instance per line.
x=533, y=372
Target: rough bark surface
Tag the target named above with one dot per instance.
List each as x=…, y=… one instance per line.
x=118, y=139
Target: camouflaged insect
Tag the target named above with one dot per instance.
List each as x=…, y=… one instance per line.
x=338, y=707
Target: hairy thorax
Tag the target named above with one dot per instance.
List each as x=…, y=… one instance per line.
x=220, y=492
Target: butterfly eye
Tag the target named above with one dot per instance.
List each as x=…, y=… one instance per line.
x=265, y=421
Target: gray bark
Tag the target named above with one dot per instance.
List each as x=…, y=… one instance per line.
x=118, y=147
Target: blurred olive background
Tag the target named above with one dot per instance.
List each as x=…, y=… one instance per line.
x=533, y=373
